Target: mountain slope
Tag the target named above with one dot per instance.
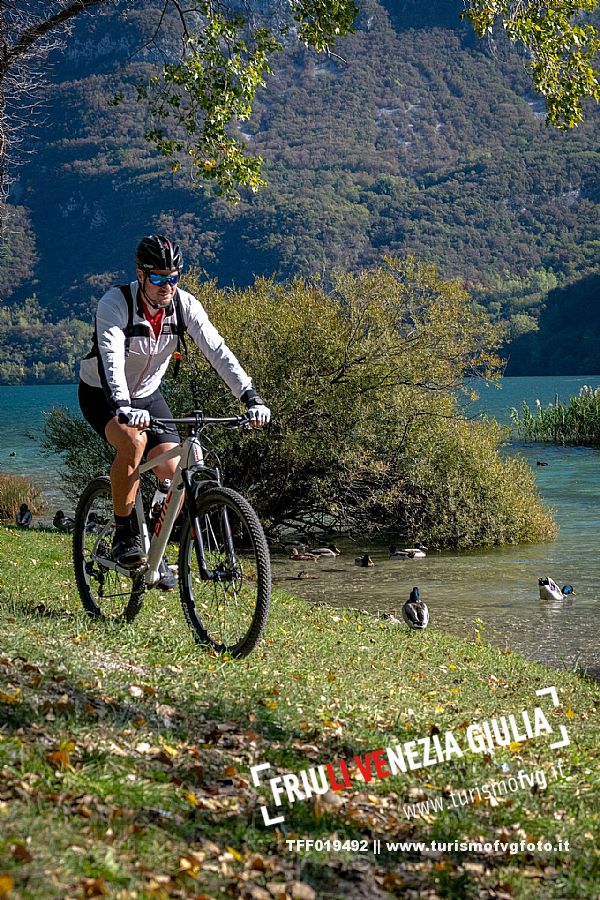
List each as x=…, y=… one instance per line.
x=421, y=139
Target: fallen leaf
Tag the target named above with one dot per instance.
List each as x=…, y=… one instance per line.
x=169, y=751
x=61, y=758
x=189, y=865
x=475, y=868
x=530, y=872
x=254, y=892
x=6, y=886
x=93, y=887
x=10, y=698
x=258, y=863
x=392, y=880
x=31, y=667
x=21, y=854
x=300, y=891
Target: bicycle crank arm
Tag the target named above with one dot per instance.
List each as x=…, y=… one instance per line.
x=105, y=563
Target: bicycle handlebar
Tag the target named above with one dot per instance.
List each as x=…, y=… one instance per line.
x=196, y=418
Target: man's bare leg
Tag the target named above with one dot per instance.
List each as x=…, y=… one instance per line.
x=130, y=443
x=165, y=469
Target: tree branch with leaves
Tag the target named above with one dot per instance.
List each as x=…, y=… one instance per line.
x=197, y=96
x=561, y=45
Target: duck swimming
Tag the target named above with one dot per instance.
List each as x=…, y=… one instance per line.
x=365, y=561
x=549, y=590
x=296, y=545
x=332, y=550
x=415, y=612
x=417, y=552
x=298, y=556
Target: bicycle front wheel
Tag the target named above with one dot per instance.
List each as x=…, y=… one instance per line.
x=104, y=592
x=226, y=594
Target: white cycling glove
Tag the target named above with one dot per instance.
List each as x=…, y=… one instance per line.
x=136, y=418
x=259, y=414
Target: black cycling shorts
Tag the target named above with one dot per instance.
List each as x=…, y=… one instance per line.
x=97, y=412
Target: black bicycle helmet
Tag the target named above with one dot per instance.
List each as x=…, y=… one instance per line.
x=157, y=252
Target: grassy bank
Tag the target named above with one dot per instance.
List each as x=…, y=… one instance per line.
x=126, y=753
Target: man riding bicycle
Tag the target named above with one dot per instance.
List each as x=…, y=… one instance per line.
x=138, y=327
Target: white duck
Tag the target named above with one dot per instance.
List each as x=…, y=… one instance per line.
x=417, y=552
x=549, y=590
x=415, y=612
x=332, y=550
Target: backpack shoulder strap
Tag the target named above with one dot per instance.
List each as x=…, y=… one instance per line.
x=127, y=294
x=181, y=323
x=181, y=330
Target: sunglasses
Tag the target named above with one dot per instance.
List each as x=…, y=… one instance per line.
x=161, y=280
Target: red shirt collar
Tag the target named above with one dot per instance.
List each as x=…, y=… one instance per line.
x=155, y=319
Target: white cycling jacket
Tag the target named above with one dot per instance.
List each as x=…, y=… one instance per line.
x=133, y=367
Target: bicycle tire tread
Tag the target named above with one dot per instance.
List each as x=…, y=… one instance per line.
x=209, y=497
x=98, y=485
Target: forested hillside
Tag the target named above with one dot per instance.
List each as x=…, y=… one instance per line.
x=421, y=139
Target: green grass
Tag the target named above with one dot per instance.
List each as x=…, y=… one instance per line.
x=126, y=752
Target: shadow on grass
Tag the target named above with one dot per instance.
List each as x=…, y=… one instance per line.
x=206, y=756
x=591, y=672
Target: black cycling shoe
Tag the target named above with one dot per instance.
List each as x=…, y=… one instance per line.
x=168, y=579
x=127, y=550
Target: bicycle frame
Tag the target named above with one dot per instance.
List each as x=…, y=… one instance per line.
x=191, y=463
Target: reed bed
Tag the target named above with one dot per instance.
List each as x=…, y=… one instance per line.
x=15, y=490
x=575, y=422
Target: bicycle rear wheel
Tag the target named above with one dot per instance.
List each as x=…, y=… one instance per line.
x=227, y=604
x=104, y=592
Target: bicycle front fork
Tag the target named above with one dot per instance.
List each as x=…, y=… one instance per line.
x=218, y=574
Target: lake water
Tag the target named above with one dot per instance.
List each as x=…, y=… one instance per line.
x=22, y=412
x=497, y=586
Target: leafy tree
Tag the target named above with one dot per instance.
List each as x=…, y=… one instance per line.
x=222, y=60
x=368, y=436
x=561, y=45
x=224, y=56
x=34, y=350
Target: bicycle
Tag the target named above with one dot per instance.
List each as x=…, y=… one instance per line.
x=224, y=565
